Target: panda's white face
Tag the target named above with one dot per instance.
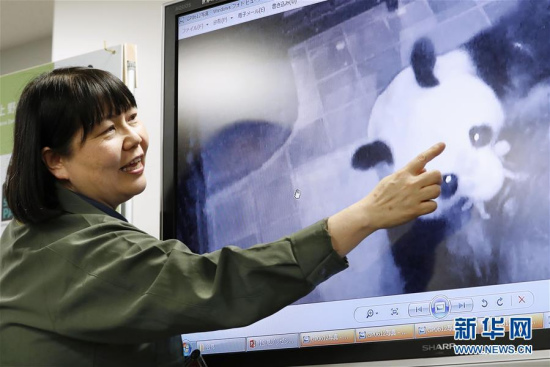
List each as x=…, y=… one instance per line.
x=461, y=111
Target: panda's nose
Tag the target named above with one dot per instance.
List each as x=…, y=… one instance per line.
x=449, y=185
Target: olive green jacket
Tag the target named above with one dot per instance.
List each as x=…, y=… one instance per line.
x=86, y=289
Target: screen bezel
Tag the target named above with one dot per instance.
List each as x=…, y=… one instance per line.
x=349, y=353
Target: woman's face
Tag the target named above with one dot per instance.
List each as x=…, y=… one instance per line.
x=109, y=166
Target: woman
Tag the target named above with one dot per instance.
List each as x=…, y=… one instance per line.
x=82, y=287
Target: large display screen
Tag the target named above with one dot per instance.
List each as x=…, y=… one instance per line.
x=288, y=111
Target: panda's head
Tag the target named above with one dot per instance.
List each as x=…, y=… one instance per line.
x=440, y=99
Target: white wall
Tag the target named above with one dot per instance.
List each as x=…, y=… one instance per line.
x=82, y=26
x=26, y=56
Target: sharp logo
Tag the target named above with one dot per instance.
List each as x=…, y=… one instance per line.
x=437, y=347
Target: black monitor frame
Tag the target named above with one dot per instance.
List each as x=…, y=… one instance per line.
x=360, y=352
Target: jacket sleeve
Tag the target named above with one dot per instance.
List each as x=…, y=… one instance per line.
x=112, y=283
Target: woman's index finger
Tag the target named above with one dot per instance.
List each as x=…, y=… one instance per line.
x=417, y=164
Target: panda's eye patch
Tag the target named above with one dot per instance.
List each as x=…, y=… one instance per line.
x=481, y=135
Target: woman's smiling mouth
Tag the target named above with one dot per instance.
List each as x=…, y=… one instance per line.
x=135, y=166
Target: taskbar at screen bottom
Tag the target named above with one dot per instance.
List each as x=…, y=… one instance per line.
x=370, y=352
x=473, y=327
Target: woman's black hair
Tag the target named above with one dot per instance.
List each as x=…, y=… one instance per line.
x=52, y=109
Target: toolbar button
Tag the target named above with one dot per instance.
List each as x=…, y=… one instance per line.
x=363, y=314
x=381, y=312
x=440, y=307
x=419, y=309
x=522, y=299
x=462, y=305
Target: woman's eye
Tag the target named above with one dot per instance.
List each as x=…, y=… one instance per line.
x=133, y=117
x=110, y=128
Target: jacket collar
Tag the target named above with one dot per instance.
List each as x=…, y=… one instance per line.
x=72, y=202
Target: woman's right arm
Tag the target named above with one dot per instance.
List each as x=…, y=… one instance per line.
x=108, y=282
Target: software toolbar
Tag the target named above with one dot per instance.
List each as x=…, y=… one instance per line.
x=440, y=306
x=234, y=13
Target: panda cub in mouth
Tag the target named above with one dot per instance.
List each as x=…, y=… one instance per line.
x=461, y=98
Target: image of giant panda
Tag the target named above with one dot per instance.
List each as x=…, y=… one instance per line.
x=472, y=98
x=354, y=90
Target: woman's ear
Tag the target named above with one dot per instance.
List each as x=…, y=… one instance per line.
x=55, y=163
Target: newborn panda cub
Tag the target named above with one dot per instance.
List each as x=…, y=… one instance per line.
x=458, y=98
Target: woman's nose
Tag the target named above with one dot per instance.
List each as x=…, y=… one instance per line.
x=132, y=139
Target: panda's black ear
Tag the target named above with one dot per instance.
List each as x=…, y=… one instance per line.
x=423, y=61
x=369, y=155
